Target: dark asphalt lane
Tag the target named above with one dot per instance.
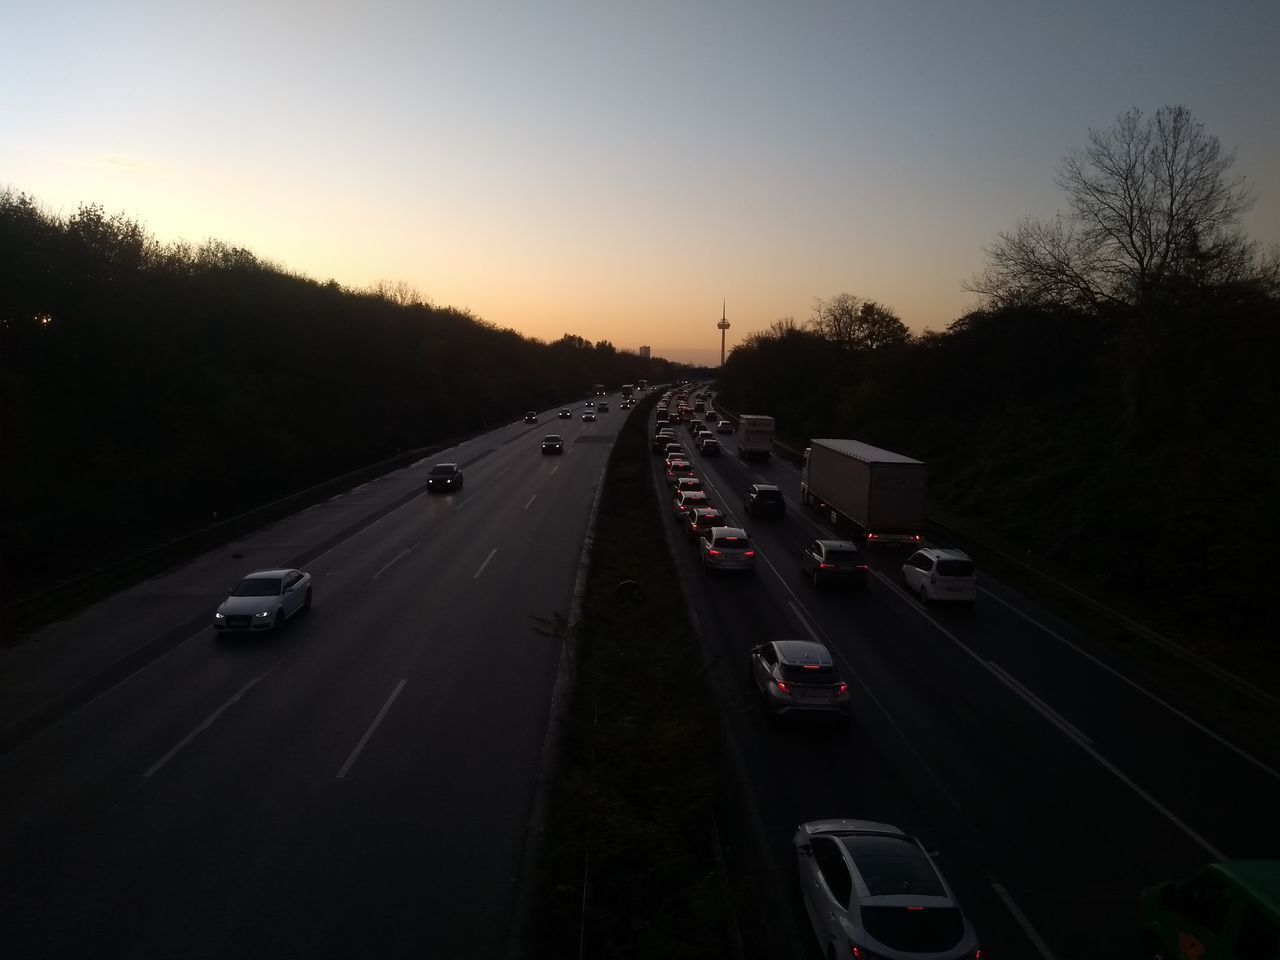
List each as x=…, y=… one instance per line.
x=1054, y=789
x=358, y=785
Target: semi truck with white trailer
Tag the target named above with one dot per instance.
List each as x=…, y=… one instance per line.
x=754, y=436
x=875, y=493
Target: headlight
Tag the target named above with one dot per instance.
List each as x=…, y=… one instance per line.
x=263, y=615
x=219, y=615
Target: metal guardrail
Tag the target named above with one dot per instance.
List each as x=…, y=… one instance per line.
x=1045, y=579
x=30, y=611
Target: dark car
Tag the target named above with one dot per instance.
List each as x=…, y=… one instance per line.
x=552, y=443
x=531, y=416
x=710, y=447
x=765, y=500
x=444, y=476
x=834, y=561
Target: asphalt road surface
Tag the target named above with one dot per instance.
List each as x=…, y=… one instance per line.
x=1054, y=786
x=358, y=785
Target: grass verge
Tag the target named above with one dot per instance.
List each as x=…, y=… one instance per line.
x=629, y=868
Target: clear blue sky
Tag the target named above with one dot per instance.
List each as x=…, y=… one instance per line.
x=615, y=170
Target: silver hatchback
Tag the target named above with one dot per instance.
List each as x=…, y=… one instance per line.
x=798, y=676
x=871, y=890
x=727, y=548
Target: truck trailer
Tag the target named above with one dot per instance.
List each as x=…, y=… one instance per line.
x=875, y=493
x=754, y=436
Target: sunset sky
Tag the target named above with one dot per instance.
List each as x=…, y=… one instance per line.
x=616, y=170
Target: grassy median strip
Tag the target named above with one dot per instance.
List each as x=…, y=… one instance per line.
x=629, y=868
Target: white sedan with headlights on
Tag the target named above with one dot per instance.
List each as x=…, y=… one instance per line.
x=264, y=600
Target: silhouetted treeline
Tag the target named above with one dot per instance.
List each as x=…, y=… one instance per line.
x=146, y=386
x=1139, y=447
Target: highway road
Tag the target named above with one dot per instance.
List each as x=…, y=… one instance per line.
x=358, y=785
x=1054, y=784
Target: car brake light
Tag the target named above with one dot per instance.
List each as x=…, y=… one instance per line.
x=826, y=566
x=862, y=567
x=844, y=688
x=782, y=687
x=873, y=536
x=749, y=553
x=812, y=666
x=713, y=553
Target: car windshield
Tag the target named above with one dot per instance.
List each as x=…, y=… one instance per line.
x=955, y=568
x=258, y=587
x=551, y=438
x=444, y=469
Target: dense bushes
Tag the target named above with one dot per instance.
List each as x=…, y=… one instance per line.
x=1136, y=448
x=146, y=386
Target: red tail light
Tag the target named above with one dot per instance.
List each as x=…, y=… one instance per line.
x=713, y=553
x=873, y=536
x=844, y=688
x=749, y=553
x=826, y=566
x=812, y=666
x=782, y=687
x=862, y=568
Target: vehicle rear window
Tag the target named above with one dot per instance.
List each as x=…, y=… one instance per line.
x=733, y=543
x=955, y=568
x=893, y=866
x=930, y=930
x=773, y=496
x=805, y=675
x=843, y=556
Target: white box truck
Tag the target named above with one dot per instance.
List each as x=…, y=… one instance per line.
x=754, y=436
x=864, y=489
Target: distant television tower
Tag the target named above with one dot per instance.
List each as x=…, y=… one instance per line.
x=723, y=325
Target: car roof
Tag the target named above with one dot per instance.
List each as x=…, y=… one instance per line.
x=797, y=653
x=452, y=464
x=707, y=512
x=730, y=532
x=765, y=487
x=945, y=553
x=552, y=436
x=267, y=574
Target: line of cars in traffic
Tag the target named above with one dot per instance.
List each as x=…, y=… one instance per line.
x=869, y=889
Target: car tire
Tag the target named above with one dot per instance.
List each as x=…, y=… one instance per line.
x=306, y=602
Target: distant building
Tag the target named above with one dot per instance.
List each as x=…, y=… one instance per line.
x=644, y=353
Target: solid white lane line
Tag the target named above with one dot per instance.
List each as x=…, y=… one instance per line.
x=1036, y=940
x=372, y=727
x=504, y=471
x=208, y=722
x=1047, y=711
x=530, y=503
x=476, y=575
x=394, y=560
x=1136, y=686
x=1084, y=745
x=553, y=470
